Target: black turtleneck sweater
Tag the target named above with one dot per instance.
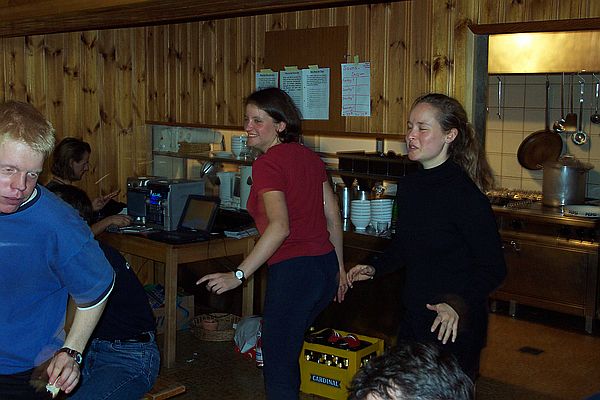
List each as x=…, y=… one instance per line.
x=447, y=240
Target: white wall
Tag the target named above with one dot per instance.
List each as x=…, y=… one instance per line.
x=522, y=112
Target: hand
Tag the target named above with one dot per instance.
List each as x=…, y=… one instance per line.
x=342, y=286
x=63, y=372
x=360, y=272
x=118, y=219
x=220, y=282
x=99, y=202
x=447, y=320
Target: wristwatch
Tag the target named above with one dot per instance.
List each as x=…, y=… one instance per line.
x=73, y=353
x=239, y=274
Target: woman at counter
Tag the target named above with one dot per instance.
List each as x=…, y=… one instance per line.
x=70, y=161
x=298, y=218
x=446, y=237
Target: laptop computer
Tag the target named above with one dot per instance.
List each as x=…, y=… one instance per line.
x=195, y=224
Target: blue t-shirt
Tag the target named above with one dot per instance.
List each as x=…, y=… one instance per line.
x=47, y=252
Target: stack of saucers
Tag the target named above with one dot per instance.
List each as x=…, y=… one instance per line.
x=381, y=213
x=238, y=145
x=360, y=214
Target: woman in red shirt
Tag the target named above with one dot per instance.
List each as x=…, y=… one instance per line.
x=297, y=215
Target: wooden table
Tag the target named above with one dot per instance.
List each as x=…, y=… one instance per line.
x=172, y=256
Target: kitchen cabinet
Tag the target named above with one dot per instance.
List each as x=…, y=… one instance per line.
x=552, y=262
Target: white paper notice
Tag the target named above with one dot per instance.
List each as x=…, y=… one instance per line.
x=291, y=83
x=309, y=88
x=266, y=80
x=356, y=89
x=315, y=84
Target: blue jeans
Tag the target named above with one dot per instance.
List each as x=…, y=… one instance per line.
x=118, y=370
x=297, y=291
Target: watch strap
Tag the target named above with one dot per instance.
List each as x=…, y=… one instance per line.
x=239, y=274
x=73, y=353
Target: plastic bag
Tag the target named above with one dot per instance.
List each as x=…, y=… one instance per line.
x=247, y=336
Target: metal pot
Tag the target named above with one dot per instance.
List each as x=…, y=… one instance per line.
x=564, y=181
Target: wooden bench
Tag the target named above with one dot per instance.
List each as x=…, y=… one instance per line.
x=164, y=388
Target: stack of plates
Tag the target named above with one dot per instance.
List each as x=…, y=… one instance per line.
x=381, y=211
x=360, y=214
x=238, y=144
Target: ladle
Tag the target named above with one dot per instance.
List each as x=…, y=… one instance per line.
x=595, y=117
x=558, y=126
x=570, y=124
x=580, y=137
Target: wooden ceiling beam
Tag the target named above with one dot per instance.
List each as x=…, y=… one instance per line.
x=34, y=17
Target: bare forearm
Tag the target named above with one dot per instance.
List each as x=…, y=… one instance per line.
x=266, y=246
x=84, y=323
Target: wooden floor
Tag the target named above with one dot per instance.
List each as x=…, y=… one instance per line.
x=567, y=368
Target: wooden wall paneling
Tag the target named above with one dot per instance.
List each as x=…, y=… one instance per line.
x=55, y=53
x=160, y=73
x=234, y=87
x=142, y=140
x=396, y=62
x=539, y=10
x=420, y=49
x=73, y=108
x=15, y=73
x=465, y=13
x=195, y=79
x=378, y=53
x=173, y=73
x=260, y=29
x=92, y=88
x=209, y=70
x=248, y=56
x=222, y=75
x=569, y=9
x=3, y=80
x=124, y=121
x=35, y=70
x=151, y=67
x=322, y=17
x=442, y=36
x=594, y=9
x=514, y=11
x=185, y=66
x=358, y=35
x=106, y=152
x=491, y=12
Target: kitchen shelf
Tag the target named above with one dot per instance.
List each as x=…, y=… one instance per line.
x=205, y=157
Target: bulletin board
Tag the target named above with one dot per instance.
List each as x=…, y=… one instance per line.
x=325, y=47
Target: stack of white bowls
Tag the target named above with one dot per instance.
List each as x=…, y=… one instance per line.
x=381, y=214
x=360, y=214
x=238, y=145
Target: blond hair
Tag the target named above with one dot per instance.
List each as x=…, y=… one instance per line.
x=20, y=121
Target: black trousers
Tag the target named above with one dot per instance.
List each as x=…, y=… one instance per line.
x=17, y=387
x=297, y=291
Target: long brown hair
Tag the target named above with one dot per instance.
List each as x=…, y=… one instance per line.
x=465, y=149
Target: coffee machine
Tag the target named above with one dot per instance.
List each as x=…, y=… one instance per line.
x=166, y=199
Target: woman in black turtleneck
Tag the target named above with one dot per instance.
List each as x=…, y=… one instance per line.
x=446, y=236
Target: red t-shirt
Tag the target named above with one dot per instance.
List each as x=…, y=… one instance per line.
x=299, y=173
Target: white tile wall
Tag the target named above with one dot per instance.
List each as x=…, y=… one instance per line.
x=521, y=110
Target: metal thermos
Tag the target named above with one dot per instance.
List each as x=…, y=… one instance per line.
x=345, y=196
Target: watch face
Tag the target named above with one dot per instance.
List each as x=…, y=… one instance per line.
x=239, y=274
x=78, y=358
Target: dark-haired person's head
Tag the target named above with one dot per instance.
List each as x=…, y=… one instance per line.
x=77, y=198
x=279, y=106
x=412, y=371
x=70, y=159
